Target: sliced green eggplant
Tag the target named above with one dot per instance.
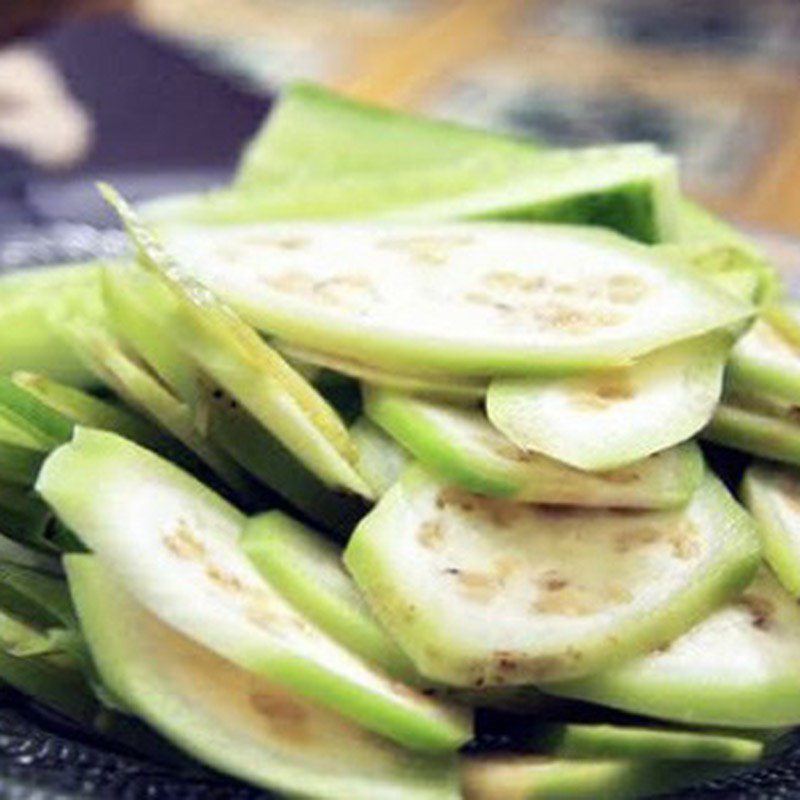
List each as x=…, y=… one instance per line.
x=243, y=364
x=764, y=361
x=133, y=382
x=307, y=570
x=611, y=419
x=31, y=303
x=311, y=132
x=471, y=299
x=761, y=426
x=462, y=446
x=443, y=387
x=34, y=597
x=380, y=459
x=24, y=517
x=84, y=409
x=772, y=494
x=173, y=543
x=520, y=777
x=601, y=741
x=737, y=668
x=481, y=591
x=236, y=722
x=44, y=427
x=19, y=465
x=252, y=446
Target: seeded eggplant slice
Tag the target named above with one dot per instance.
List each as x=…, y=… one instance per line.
x=443, y=387
x=736, y=668
x=761, y=426
x=235, y=721
x=233, y=354
x=463, y=447
x=307, y=570
x=601, y=741
x=173, y=543
x=470, y=299
x=380, y=459
x=772, y=494
x=612, y=419
x=521, y=777
x=480, y=591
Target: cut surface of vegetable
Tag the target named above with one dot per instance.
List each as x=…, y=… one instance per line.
x=600, y=741
x=480, y=591
x=463, y=447
x=612, y=419
x=381, y=460
x=173, y=543
x=736, y=668
x=233, y=720
x=31, y=304
x=456, y=298
x=520, y=777
x=772, y=494
x=307, y=570
x=445, y=387
x=245, y=366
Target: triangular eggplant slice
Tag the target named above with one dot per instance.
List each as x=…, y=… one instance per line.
x=381, y=460
x=772, y=494
x=606, y=420
x=737, y=668
x=463, y=447
x=174, y=545
x=508, y=777
x=234, y=721
x=307, y=569
x=480, y=591
x=245, y=366
x=473, y=299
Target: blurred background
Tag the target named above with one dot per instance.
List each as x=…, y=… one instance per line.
x=159, y=94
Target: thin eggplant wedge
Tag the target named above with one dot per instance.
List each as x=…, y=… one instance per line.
x=638, y=743
x=772, y=494
x=439, y=386
x=138, y=387
x=31, y=304
x=464, y=448
x=737, y=668
x=173, y=543
x=246, y=367
x=381, y=460
x=477, y=299
x=764, y=361
x=307, y=570
x=612, y=419
x=761, y=426
x=480, y=591
x=239, y=723
x=42, y=427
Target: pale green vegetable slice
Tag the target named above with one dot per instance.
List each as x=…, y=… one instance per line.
x=760, y=426
x=19, y=465
x=233, y=720
x=737, y=668
x=614, y=418
x=380, y=459
x=582, y=740
x=43, y=427
x=463, y=447
x=173, y=544
x=520, y=777
x=772, y=494
x=31, y=304
x=142, y=390
x=444, y=387
x=473, y=299
x=764, y=361
x=34, y=597
x=243, y=364
x=307, y=570
x=481, y=591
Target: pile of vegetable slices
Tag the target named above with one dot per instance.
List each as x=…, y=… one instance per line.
x=377, y=475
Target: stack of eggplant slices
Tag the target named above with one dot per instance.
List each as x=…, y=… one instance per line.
x=383, y=473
